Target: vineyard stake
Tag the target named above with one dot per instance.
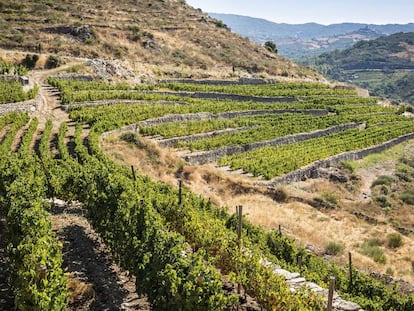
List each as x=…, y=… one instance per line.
x=180, y=192
x=133, y=173
x=331, y=293
x=239, y=212
x=350, y=273
x=240, y=225
x=300, y=262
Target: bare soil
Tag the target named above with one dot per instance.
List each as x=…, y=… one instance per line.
x=96, y=281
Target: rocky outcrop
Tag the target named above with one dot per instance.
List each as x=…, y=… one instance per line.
x=216, y=154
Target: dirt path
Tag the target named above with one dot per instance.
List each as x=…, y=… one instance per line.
x=96, y=281
x=369, y=175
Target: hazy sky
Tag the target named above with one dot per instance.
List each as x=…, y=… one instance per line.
x=319, y=11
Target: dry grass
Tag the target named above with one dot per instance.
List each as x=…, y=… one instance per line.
x=80, y=291
x=162, y=33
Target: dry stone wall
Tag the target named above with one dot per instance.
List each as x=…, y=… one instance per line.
x=312, y=171
x=240, y=81
x=26, y=106
x=224, y=96
x=198, y=158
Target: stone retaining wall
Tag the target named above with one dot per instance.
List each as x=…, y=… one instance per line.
x=203, y=157
x=311, y=171
x=26, y=106
x=240, y=81
x=170, y=142
x=224, y=96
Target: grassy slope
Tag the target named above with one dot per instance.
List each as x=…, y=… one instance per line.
x=164, y=32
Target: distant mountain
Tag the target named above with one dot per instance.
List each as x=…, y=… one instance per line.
x=385, y=66
x=311, y=39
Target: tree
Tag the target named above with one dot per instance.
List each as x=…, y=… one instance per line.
x=271, y=46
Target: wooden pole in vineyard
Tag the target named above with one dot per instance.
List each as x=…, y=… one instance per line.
x=239, y=213
x=331, y=293
x=350, y=273
x=240, y=224
x=133, y=173
x=180, y=192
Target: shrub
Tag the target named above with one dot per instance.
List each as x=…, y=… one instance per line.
x=131, y=138
x=383, y=180
x=270, y=46
x=389, y=271
x=53, y=61
x=327, y=199
x=30, y=61
x=382, y=200
x=371, y=248
x=280, y=195
x=394, y=240
x=334, y=248
x=220, y=24
x=407, y=197
x=348, y=166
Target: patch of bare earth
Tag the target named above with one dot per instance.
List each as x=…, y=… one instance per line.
x=96, y=281
x=310, y=226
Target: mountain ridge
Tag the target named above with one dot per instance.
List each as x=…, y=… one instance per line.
x=309, y=39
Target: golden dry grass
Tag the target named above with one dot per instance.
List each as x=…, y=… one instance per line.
x=162, y=33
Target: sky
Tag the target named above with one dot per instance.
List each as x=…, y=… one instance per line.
x=318, y=11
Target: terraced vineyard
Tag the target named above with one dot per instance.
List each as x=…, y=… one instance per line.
x=180, y=247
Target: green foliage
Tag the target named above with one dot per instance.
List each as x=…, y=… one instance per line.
x=131, y=138
x=12, y=91
x=30, y=61
x=383, y=180
x=38, y=279
x=270, y=46
x=53, y=61
x=371, y=248
x=334, y=248
x=394, y=240
x=383, y=201
x=407, y=197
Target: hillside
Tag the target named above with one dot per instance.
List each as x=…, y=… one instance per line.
x=385, y=66
x=310, y=39
x=162, y=33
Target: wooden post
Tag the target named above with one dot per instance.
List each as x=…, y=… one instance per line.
x=331, y=293
x=240, y=225
x=133, y=173
x=180, y=192
x=239, y=213
x=300, y=262
x=280, y=230
x=350, y=273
